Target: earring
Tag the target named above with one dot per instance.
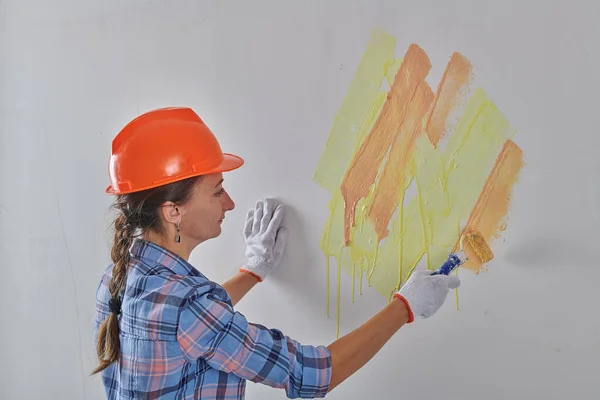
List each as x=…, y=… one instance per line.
x=178, y=237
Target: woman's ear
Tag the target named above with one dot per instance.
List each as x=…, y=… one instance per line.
x=170, y=212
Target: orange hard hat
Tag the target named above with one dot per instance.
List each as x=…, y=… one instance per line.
x=163, y=146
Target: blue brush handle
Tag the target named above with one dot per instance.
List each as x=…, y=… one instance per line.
x=451, y=263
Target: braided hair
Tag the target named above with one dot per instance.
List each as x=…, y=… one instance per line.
x=137, y=213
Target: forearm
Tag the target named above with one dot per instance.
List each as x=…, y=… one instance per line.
x=239, y=285
x=352, y=351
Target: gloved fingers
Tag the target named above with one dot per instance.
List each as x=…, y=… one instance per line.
x=280, y=240
x=448, y=281
x=248, y=224
x=268, y=205
x=258, y=213
x=277, y=219
x=453, y=281
x=418, y=274
x=426, y=312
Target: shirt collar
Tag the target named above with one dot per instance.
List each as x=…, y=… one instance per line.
x=155, y=254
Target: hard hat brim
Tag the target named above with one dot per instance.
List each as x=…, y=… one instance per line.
x=230, y=162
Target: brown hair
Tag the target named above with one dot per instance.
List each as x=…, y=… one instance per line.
x=138, y=213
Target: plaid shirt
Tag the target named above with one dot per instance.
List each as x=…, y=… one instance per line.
x=182, y=339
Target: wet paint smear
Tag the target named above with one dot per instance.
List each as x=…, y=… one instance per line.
x=397, y=197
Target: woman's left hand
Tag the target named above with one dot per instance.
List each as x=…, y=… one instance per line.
x=265, y=238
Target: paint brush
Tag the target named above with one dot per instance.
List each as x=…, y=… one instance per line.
x=477, y=244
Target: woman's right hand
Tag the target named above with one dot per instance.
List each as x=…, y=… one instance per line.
x=424, y=293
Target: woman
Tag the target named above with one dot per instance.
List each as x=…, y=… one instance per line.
x=164, y=330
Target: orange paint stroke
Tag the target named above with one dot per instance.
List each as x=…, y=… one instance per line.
x=393, y=180
x=452, y=85
x=492, y=205
x=363, y=169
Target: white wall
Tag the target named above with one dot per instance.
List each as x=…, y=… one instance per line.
x=269, y=77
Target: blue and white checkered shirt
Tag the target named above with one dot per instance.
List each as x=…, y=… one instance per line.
x=182, y=339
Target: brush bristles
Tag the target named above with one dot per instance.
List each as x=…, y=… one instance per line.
x=480, y=247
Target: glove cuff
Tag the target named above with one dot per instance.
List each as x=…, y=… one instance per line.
x=411, y=316
x=257, y=267
x=251, y=273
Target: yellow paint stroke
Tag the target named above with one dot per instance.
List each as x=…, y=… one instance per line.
x=359, y=108
x=383, y=144
x=352, y=123
x=451, y=180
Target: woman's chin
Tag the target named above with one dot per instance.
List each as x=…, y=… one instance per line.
x=217, y=230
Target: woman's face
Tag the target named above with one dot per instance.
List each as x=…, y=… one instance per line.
x=202, y=215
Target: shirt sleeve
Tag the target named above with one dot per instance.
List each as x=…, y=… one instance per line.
x=209, y=328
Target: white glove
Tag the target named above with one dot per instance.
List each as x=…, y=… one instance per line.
x=424, y=293
x=265, y=238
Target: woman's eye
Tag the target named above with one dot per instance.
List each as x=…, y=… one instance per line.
x=220, y=192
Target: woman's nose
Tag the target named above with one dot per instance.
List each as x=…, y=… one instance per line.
x=229, y=204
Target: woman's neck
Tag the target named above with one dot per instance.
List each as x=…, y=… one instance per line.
x=182, y=249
